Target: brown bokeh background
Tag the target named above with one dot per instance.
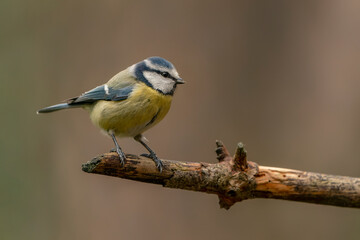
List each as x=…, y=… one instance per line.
x=281, y=76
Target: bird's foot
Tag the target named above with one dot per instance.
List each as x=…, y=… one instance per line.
x=122, y=158
x=159, y=164
x=121, y=155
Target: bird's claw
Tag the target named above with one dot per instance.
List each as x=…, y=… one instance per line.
x=121, y=155
x=159, y=164
x=122, y=158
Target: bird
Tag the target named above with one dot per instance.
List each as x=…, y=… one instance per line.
x=130, y=103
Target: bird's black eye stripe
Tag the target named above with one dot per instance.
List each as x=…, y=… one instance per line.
x=165, y=74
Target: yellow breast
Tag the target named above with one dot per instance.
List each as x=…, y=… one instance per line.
x=144, y=108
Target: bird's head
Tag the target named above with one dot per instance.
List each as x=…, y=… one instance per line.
x=158, y=74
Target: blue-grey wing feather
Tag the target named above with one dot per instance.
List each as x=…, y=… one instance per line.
x=103, y=93
x=120, y=94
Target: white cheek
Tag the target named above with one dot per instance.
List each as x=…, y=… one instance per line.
x=165, y=85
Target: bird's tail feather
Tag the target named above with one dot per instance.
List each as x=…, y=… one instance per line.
x=57, y=107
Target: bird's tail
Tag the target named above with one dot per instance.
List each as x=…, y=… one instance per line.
x=57, y=107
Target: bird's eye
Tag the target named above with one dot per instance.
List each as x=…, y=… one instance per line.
x=165, y=74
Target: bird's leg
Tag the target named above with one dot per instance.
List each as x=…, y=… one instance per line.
x=118, y=149
x=151, y=154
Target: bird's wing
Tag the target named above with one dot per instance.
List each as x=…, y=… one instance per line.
x=103, y=92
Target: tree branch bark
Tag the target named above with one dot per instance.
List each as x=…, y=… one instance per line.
x=234, y=179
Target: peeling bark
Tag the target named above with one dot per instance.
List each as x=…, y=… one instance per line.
x=310, y=187
x=234, y=179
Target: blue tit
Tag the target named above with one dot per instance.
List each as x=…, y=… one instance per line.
x=131, y=102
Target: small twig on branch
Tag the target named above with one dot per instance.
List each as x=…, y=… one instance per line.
x=234, y=179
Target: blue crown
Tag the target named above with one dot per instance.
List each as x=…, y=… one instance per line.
x=160, y=62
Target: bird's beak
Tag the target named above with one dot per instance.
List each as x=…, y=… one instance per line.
x=180, y=81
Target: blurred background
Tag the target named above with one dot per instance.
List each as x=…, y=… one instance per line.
x=283, y=77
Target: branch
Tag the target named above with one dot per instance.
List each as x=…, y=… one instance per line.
x=234, y=179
